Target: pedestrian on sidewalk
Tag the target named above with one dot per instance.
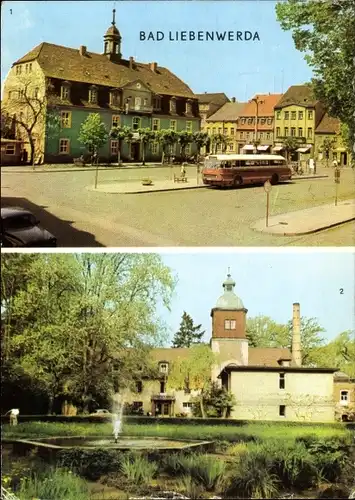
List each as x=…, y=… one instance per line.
x=335, y=163
x=311, y=166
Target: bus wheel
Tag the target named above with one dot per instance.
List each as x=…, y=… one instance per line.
x=274, y=179
x=238, y=181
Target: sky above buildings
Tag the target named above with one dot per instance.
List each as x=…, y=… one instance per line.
x=238, y=68
x=268, y=282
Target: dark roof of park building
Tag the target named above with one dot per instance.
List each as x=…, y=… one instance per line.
x=66, y=63
x=230, y=111
x=300, y=95
x=258, y=356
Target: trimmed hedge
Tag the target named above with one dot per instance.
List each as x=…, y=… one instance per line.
x=144, y=420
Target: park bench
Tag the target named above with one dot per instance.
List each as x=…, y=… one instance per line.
x=180, y=178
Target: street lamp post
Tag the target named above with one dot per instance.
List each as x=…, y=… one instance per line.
x=257, y=102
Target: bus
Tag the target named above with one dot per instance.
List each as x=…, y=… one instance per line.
x=236, y=170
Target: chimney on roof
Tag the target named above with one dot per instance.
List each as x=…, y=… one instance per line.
x=131, y=62
x=296, y=335
x=82, y=50
x=233, y=99
x=153, y=66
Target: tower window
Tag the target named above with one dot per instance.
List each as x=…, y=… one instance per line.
x=106, y=47
x=162, y=387
x=344, y=396
x=281, y=381
x=18, y=70
x=230, y=324
x=282, y=411
x=163, y=367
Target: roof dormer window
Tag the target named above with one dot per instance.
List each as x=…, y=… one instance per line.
x=188, y=107
x=93, y=94
x=114, y=98
x=65, y=91
x=173, y=105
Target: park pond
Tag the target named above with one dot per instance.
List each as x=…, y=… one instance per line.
x=252, y=461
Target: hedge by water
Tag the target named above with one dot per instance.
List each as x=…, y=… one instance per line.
x=143, y=420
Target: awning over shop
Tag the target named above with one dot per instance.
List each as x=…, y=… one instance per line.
x=248, y=147
x=263, y=147
x=278, y=148
x=303, y=150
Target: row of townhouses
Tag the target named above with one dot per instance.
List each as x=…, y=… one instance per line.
x=76, y=82
x=267, y=120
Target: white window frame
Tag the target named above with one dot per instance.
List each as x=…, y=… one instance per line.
x=344, y=401
x=188, y=149
x=154, y=147
x=136, y=120
x=189, y=126
x=164, y=367
x=65, y=119
x=65, y=92
x=156, y=124
x=93, y=95
x=173, y=125
x=137, y=102
x=187, y=404
x=12, y=148
x=172, y=105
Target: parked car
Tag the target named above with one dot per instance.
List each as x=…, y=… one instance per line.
x=20, y=228
x=101, y=413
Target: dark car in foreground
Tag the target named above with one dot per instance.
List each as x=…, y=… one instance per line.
x=20, y=228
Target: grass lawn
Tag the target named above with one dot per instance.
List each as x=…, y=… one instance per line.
x=205, y=432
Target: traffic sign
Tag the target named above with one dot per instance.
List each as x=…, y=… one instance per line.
x=267, y=186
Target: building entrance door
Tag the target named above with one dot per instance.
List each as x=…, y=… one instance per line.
x=135, y=151
x=343, y=159
x=162, y=409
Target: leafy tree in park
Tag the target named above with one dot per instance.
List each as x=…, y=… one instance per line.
x=120, y=134
x=188, y=333
x=146, y=137
x=338, y=353
x=325, y=32
x=79, y=315
x=184, y=139
x=193, y=372
x=262, y=331
x=93, y=133
x=217, y=402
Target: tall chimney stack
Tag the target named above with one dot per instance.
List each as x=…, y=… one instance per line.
x=296, y=335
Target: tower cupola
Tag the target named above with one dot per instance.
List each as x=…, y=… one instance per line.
x=112, y=41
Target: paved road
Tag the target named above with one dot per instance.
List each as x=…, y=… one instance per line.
x=204, y=217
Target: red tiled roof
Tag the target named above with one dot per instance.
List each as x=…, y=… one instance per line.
x=66, y=63
x=265, y=108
